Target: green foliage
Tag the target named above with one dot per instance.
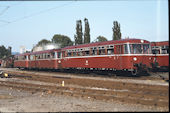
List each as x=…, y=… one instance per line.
x=116, y=31
x=62, y=40
x=86, y=32
x=101, y=39
x=78, y=37
x=4, y=52
x=43, y=42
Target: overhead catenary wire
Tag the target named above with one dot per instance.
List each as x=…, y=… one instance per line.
x=7, y=7
x=35, y=14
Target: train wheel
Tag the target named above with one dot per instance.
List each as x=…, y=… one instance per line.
x=134, y=72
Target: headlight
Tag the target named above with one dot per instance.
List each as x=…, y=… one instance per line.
x=134, y=58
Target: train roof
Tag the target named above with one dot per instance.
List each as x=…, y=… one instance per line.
x=161, y=43
x=38, y=52
x=107, y=43
x=88, y=45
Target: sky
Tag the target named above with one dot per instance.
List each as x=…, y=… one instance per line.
x=24, y=23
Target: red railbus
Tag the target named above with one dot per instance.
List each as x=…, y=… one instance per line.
x=160, y=52
x=37, y=60
x=127, y=54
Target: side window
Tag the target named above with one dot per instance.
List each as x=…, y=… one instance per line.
x=53, y=55
x=87, y=53
x=63, y=53
x=69, y=54
x=119, y=49
x=59, y=55
x=74, y=54
x=80, y=53
x=126, y=51
x=101, y=50
x=110, y=49
x=94, y=51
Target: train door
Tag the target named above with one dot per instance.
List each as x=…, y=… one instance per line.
x=59, y=61
x=118, y=54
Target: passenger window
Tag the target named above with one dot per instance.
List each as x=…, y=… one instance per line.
x=80, y=53
x=101, y=51
x=94, y=51
x=69, y=54
x=53, y=55
x=63, y=53
x=110, y=51
x=59, y=54
x=74, y=54
x=119, y=49
x=87, y=53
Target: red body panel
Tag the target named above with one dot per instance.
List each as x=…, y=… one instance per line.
x=23, y=63
x=43, y=64
x=118, y=62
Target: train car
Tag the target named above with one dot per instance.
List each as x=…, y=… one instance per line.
x=127, y=54
x=160, y=52
x=132, y=55
x=38, y=60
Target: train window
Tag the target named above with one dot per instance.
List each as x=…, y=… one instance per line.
x=63, y=53
x=135, y=49
x=80, y=53
x=53, y=55
x=154, y=51
x=41, y=56
x=38, y=56
x=111, y=46
x=94, y=52
x=69, y=54
x=146, y=48
x=126, y=49
x=110, y=51
x=59, y=55
x=87, y=53
x=101, y=51
x=32, y=57
x=164, y=51
x=47, y=55
x=74, y=54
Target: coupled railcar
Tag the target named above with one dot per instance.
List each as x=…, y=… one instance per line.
x=127, y=54
x=160, y=52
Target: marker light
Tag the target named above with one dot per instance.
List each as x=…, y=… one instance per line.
x=134, y=58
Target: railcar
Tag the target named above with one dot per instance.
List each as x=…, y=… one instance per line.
x=132, y=55
x=38, y=60
x=127, y=54
x=160, y=51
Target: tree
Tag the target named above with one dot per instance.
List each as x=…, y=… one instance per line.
x=43, y=42
x=86, y=32
x=62, y=40
x=4, y=52
x=116, y=31
x=101, y=39
x=78, y=37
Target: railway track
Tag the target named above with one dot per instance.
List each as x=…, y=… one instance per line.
x=148, y=93
x=116, y=75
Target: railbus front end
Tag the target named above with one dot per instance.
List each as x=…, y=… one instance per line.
x=136, y=57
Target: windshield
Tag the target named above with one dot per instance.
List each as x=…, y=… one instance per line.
x=137, y=49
